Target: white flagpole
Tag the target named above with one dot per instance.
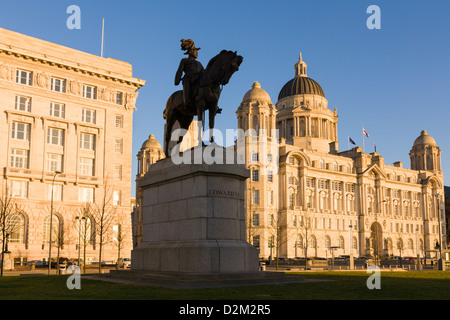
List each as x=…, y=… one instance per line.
x=103, y=35
x=364, y=150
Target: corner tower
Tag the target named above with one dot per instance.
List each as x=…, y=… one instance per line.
x=425, y=154
x=303, y=117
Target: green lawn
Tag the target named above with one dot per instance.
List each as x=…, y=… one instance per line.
x=343, y=285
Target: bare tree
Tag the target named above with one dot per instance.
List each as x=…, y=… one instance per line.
x=279, y=230
x=63, y=237
x=305, y=226
x=103, y=214
x=9, y=210
x=119, y=238
x=83, y=224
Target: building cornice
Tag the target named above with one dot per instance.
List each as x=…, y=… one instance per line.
x=75, y=67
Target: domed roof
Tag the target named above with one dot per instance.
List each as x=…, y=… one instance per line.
x=301, y=85
x=425, y=139
x=151, y=143
x=256, y=93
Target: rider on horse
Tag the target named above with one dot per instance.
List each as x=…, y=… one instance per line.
x=192, y=70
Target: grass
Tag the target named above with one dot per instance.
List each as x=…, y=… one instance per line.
x=426, y=285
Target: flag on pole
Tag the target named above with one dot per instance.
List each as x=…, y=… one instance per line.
x=374, y=147
x=365, y=133
x=351, y=141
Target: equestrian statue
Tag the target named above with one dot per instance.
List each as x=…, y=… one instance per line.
x=201, y=90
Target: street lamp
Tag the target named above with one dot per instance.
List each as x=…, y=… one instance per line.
x=440, y=263
x=51, y=225
x=79, y=238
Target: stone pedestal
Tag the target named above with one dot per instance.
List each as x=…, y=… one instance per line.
x=194, y=219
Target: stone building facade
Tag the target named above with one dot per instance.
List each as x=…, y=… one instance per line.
x=318, y=201
x=66, y=121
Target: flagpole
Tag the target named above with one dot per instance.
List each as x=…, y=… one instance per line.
x=364, y=150
x=103, y=35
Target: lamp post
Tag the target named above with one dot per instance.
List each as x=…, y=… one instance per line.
x=441, y=267
x=79, y=238
x=51, y=225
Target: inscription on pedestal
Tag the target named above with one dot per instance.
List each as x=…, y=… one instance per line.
x=223, y=193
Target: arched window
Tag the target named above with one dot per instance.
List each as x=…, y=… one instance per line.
x=312, y=242
x=355, y=243
x=327, y=242
x=341, y=242
x=16, y=228
x=335, y=166
x=410, y=244
x=255, y=123
x=54, y=222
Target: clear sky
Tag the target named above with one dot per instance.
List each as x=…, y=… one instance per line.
x=394, y=81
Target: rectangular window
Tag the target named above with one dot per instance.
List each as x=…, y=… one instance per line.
x=20, y=159
x=323, y=184
x=21, y=131
x=89, y=116
x=57, y=110
x=119, y=121
x=23, y=104
x=291, y=200
x=86, y=194
x=270, y=176
x=255, y=175
x=90, y=92
x=271, y=220
x=255, y=197
x=255, y=157
x=55, y=136
x=87, y=141
x=118, y=146
x=58, y=85
x=57, y=192
x=119, y=98
x=116, y=233
x=116, y=198
x=87, y=167
x=54, y=162
x=24, y=77
x=18, y=189
x=270, y=197
x=118, y=172
x=256, y=241
x=255, y=221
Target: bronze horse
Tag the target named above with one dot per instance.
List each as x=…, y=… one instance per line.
x=206, y=97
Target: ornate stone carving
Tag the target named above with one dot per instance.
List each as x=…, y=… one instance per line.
x=6, y=72
x=75, y=87
x=42, y=79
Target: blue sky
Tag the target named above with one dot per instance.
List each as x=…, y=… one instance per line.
x=394, y=81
